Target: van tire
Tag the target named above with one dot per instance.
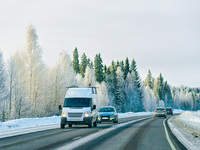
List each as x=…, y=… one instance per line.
x=70, y=125
x=62, y=126
x=95, y=123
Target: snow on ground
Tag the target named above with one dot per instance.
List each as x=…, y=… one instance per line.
x=29, y=122
x=186, y=128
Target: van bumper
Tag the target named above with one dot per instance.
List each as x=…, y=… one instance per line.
x=85, y=121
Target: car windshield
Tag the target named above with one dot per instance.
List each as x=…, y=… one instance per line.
x=77, y=102
x=159, y=109
x=168, y=109
x=106, y=110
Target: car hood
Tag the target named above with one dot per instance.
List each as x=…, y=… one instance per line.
x=106, y=113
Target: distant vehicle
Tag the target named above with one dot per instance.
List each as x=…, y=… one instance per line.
x=80, y=107
x=160, y=112
x=169, y=110
x=108, y=114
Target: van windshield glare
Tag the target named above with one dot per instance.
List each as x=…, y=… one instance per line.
x=78, y=102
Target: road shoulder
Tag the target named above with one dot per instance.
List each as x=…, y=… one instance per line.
x=183, y=135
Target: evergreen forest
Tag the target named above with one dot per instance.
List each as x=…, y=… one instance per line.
x=31, y=88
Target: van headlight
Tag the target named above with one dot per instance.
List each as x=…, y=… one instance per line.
x=87, y=114
x=64, y=114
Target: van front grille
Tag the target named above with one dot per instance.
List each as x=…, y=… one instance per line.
x=75, y=114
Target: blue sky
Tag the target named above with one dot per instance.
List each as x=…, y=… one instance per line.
x=162, y=35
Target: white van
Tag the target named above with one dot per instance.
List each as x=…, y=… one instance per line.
x=80, y=107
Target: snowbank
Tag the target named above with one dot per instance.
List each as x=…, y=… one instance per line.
x=186, y=127
x=190, y=121
x=178, y=111
x=29, y=122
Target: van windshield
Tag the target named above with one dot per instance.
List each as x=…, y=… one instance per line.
x=78, y=102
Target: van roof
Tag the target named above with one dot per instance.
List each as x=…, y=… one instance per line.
x=79, y=92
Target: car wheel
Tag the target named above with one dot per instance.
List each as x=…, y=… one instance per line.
x=62, y=126
x=70, y=125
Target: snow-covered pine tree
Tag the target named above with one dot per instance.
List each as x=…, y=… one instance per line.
x=167, y=95
x=159, y=88
x=83, y=65
x=148, y=80
x=137, y=84
x=98, y=68
x=75, y=62
x=105, y=69
x=126, y=67
x=120, y=93
x=121, y=65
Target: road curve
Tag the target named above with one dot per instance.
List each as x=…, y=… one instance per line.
x=146, y=135
x=140, y=134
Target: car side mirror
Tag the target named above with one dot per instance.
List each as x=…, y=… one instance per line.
x=60, y=107
x=94, y=107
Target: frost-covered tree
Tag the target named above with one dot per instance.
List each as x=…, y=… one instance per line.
x=137, y=84
x=34, y=70
x=83, y=65
x=98, y=68
x=89, y=77
x=19, y=95
x=148, y=80
x=3, y=90
x=121, y=65
x=120, y=93
x=103, y=98
x=167, y=95
x=126, y=67
x=62, y=76
x=75, y=62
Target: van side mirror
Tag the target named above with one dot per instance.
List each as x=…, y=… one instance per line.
x=94, y=107
x=60, y=107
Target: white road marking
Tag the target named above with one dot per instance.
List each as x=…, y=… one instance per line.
x=167, y=136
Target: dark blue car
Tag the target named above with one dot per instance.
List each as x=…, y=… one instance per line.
x=108, y=114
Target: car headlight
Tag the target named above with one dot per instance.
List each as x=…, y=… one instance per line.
x=87, y=114
x=112, y=117
x=64, y=114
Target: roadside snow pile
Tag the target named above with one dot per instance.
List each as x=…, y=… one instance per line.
x=186, y=127
x=178, y=111
x=190, y=121
x=29, y=122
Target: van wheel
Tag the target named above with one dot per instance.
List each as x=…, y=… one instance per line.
x=70, y=125
x=62, y=126
x=90, y=124
x=95, y=123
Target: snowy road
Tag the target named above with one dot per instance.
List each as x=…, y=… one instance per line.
x=138, y=133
